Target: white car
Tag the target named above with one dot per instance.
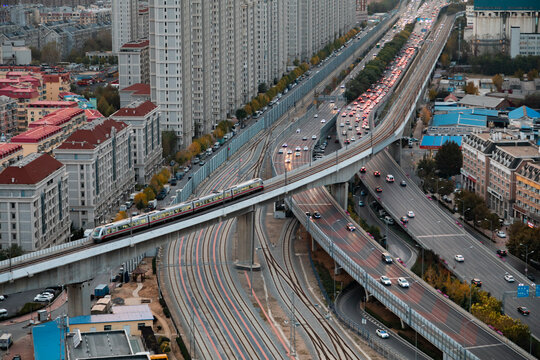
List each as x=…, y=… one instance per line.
x=316, y=116
x=501, y=234
x=42, y=298
x=342, y=86
x=390, y=178
x=313, y=137
x=323, y=121
x=382, y=333
x=385, y=280
x=280, y=151
x=297, y=131
x=403, y=282
x=410, y=214
x=509, y=277
x=297, y=154
x=287, y=160
x=284, y=145
x=298, y=148
x=289, y=152
x=306, y=148
x=459, y=258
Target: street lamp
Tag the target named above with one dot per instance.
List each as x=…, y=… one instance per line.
x=490, y=226
x=527, y=253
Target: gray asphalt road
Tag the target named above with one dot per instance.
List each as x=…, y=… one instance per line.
x=442, y=233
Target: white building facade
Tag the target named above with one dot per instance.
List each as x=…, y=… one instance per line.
x=208, y=57
x=34, y=212
x=134, y=63
x=99, y=163
x=144, y=119
x=125, y=20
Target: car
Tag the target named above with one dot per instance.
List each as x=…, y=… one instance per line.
x=523, y=310
x=403, y=183
x=383, y=334
x=376, y=173
x=390, y=178
x=316, y=215
x=459, y=258
x=410, y=214
x=289, y=152
x=323, y=121
x=363, y=193
x=306, y=148
x=342, y=86
x=501, y=234
x=387, y=258
x=16, y=357
x=378, y=189
x=298, y=148
x=476, y=282
x=509, y=278
x=403, y=282
x=531, y=277
x=308, y=214
x=280, y=151
x=404, y=219
x=316, y=115
x=288, y=161
x=385, y=280
x=304, y=138
x=351, y=227
x=313, y=137
x=341, y=125
x=284, y=145
x=361, y=203
x=202, y=162
x=42, y=298
x=502, y=252
x=297, y=154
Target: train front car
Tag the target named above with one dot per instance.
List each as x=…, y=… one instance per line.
x=96, y=235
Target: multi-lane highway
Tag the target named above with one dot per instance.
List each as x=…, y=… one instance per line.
x=440, y=232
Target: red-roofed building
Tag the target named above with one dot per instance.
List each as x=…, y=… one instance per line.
x=92, y=114
x=69, y=119
x=34, y=197
x=100, y=167
x=144, y=118
x=134, y=63
x=9, y=114
x=39, y=139
x=38, y=109
x=133, y=93
x=10, y=153
x=23, y=92
x=55, y=84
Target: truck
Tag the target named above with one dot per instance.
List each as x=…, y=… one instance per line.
x=152, y=204
x=101, y=290
x=6, y=340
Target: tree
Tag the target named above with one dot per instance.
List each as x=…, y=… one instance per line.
x=497, y=80
x=36, y=53
x=149, y=193
x=169, y=142
x=532, y=74
x=519, y=74
x=241, y=114
x=120, y=216
x=248, y=109
x=426, y=167
x=11, y=252
x=520, y=233
x=432, y=94
x=262, y=88
x=103, y=106
x=425, y=115
x=445, y=60
x=471, y=89
x=50, y=53
x=141, y=200
x=449, y=159
x=296, y=62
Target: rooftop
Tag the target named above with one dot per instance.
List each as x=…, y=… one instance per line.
x=119, y=314
x=136, y=44
x=523, y=112
x=521, y=151
x=480, y=101
x=52, y=104
x=507, y=5
x=7, y=149
x=138, y=89
x=37, y=134
x=136, y=109
x=30, y=170
x=91, y=135
x=435, y=142
x=92, y=114
x=58, y=117
x=103, y=344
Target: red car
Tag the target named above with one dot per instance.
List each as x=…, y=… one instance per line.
x=523, y=310
x=376, y=173
x=378, y=189
x=363, y=169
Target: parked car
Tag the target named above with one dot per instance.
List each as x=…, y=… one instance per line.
x=501, y=234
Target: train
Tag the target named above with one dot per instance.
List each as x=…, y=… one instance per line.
x=127, y=226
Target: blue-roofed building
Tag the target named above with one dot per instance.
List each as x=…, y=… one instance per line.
x=523, y=113
x=47, y=339
x=432, y=142
x=459, y=119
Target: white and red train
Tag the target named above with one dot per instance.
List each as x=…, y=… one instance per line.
x=127, y=226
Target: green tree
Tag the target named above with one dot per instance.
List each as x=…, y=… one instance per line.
x=50, y=53
x=241, y=114
x=296, y=62
x=103, y=106
x=168, y=143
x=13, y=251
x=449, y=159
x=445, y=60
x=141, y=200
x=523, y=238
x=262, y=88
x=426, y=167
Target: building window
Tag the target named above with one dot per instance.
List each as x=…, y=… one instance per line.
x=140, y=326
x=107, y=328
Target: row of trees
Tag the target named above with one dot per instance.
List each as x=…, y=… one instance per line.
x=381, y=6
x=492, y=64
x=375, y=68
x=331, y=47
x=524, y=240
x=108, y=99
x=482, y=304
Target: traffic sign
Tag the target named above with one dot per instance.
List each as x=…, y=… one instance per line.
x=523, y=291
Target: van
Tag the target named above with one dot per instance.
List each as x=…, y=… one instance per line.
x=3, y=313
x=209, y=151
x=6, y=340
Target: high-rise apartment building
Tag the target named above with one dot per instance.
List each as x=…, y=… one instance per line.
x=208, y=57
x=133, y=63
x=125, y=20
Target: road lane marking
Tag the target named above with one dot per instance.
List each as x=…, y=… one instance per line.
x=439, y=235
